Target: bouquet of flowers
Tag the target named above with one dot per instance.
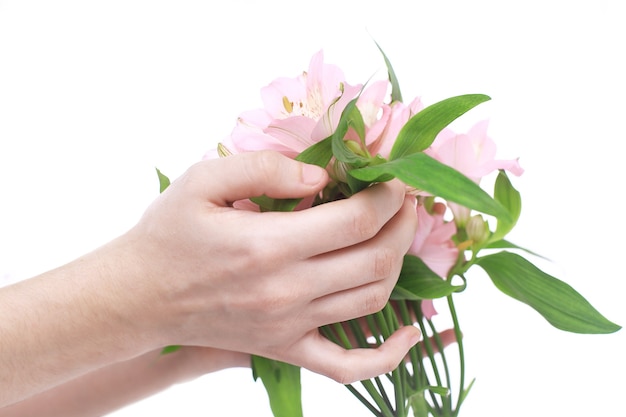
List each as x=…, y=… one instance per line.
x=364, y=134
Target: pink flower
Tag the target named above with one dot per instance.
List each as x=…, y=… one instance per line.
x=399, y=114
x=428, y=309
x=434, y=246
x=433, y=241
x=473, y=154
x=298, y=112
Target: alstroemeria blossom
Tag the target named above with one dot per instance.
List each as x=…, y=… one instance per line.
x=473, y=154
x=399, y=114
x=433, y=241
x=434, y=246
x=300, y=112
x=297, y=112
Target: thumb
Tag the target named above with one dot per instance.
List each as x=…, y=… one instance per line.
x=252, y=174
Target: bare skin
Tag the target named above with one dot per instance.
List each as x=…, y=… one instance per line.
x=112, y=387
x=196, y=272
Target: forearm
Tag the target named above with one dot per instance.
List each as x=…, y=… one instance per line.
x=66, y=323
x=105, y=390
x=113, y=387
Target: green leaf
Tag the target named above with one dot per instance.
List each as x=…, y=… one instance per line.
x=170, y=349
x=425, y=173
x=282, y=383
x=420, y=131
x=510, y=199
x=356, y=185
x=396, y=95
x=417, y=282
x=555, y=300
x=439, y=390
x=164, y=182
x=505, y=244
x=318, y=154
x=266, y=203
x=465, y=393
x=350, y=117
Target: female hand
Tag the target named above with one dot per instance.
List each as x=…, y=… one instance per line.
x=196, y=271
x=262, y=283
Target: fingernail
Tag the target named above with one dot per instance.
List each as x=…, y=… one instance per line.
x=312, y=174
x=417, y=335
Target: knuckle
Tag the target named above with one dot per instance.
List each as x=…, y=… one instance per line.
x=376, y=299
x=364, y=223
x=385, y=262
x=263, y=165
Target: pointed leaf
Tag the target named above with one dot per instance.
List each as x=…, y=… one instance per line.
x=425, y=173
x=555, y=300
x=356, y=185
x=420, y=131
x=510, y=199
x=282, y=383
x=318, y=154
x=417, y=282
x=396, y=95
x=350, y=117
x=505, y=244
x=266, y=203
x=164, y=181
x=170, y=349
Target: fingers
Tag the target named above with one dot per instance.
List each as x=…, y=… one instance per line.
x=311, y=232
x=252, y=174
x=358, y=280
x=347, y=366
x=343, y=223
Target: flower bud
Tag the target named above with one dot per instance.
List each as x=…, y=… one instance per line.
x=477, y=230
x=339, y=171
x=354, y=147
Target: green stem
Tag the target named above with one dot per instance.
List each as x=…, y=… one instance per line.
x=381, y=402
x=428, y=345
x=364, y=401
x=382, y=324
x=336, y=334
x=459, y=342
x=330, y=335
x=383, y=392
x=415, y=360
x=340, y=331
x=417, y=310
x=376, y=332
x=447, y=400
x=358, y=333
x=399, y=373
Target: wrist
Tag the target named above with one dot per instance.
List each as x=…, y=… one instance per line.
x=195, y=361
x=131, y=297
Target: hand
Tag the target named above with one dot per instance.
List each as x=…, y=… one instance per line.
x=262, y=283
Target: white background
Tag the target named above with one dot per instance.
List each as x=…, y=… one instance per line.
x=95, y=94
